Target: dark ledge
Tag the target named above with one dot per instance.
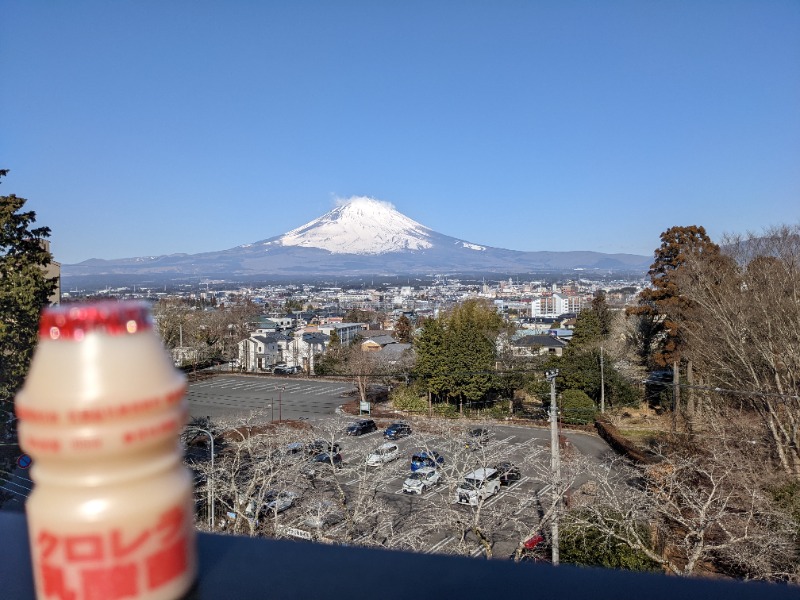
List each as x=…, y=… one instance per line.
x=237, y=567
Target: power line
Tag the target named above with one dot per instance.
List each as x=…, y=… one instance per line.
x=720, y=390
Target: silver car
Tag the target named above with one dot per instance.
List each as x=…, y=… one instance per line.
x=421, y=480
x=277, y=502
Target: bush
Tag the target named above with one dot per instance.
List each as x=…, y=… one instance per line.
x=445, y=409
x=624, y=394
x=587, y=546
x=498, y=410
x=577, y=408
x=406, y=398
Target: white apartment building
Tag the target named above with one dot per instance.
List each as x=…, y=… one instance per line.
x=552, y=305
x=347, y=332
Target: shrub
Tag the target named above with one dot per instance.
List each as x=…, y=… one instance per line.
x=577, y=408
x=406, y=398
x=445, y=409
x=587, y=546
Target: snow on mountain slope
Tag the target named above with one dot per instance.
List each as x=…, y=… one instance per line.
x=360, y=225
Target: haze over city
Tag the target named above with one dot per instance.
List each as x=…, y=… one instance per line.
x=146, y=129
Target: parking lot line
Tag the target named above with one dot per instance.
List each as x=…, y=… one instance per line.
x=440, y=544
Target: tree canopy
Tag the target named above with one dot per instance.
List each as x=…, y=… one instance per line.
x=456, y=352
x=661, y=304
x=24, y=290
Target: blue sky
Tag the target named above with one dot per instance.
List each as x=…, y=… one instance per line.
x=146, y=128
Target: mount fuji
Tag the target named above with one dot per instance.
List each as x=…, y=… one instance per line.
x=361, y=236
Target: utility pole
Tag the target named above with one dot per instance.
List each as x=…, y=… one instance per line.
x=555, y=463
x=602, y=384
x=676, y=393
x=210, y=480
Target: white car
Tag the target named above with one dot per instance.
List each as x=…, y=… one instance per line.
x=383, y=454
x=421, y=480
x=478, y=485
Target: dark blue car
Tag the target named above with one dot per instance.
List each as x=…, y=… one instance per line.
x=426, y=459
x=397, y=430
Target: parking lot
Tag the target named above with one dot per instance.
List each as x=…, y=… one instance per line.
x=516, y=506
x=276, y=397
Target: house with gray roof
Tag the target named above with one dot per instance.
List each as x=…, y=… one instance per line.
x=533, y=345
x=262, y=351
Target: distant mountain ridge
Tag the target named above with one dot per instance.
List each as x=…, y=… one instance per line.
x=360, y=236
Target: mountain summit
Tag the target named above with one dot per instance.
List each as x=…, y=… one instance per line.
x=361, y=236
x=360, y=225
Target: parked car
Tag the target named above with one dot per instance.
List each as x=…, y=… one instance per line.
x=478, y=485
x=397, y=430
x=323, y=513
x=477, y=437
x=508, y=473
x=321, y=446
x=321, y=461
x=361, y=427
x=284, y=370
x=278, y=501
x=421, y=480
x=426, y=459
x=382, y=454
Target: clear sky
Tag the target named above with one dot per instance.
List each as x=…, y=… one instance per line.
x=145, y=128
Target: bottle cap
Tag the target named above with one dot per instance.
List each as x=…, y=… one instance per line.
x=109, y=317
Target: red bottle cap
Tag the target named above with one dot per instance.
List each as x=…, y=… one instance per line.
x=74, y=321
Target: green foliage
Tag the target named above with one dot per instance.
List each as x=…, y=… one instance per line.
x=498, y=410
x=24, y=290
x=446, y=410
x=579, y=369
x=407, y=398
x=588, y=329
x=292, y=305
x=589, y=547
x=603, y=313
x=432, y=360
x=456, y=352
x=623, y=393
x=787, y=497
x=577, y=408
x=330, y=363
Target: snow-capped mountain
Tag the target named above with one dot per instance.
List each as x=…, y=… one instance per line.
x=360, y=226
x=361, y=236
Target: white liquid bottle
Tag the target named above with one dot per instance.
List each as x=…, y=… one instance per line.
x=111, y=514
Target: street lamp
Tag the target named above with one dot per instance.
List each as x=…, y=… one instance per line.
x=280, y=404
x=555, y=462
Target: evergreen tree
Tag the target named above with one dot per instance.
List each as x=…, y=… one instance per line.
x=456, y=352
x=588, y=329
x=24, y=291
x=660, y=305
x=432, y=362
x=402, y=330
x=602, y=311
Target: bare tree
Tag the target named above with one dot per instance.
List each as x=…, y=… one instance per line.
x=744, y=332
x=693, y=512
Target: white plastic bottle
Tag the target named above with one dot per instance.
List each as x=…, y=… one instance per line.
x=111, y=514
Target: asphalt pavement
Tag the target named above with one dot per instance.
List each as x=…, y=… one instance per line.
x=276, y=398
